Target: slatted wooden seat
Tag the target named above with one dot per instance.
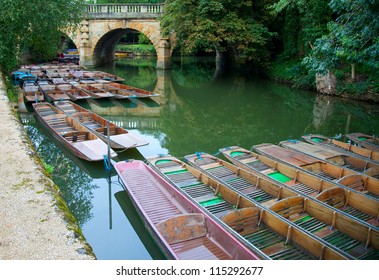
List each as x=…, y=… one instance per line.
x=289, y=207
x=76, y=136
x=353, y=181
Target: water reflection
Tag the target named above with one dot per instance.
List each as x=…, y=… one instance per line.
x=77, y=187
x=194, y=113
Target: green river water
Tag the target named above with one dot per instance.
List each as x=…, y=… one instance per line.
x=195, y=112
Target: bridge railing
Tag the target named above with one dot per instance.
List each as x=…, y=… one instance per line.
x=124, y=10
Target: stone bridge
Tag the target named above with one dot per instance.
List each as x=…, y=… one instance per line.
x=105, y=24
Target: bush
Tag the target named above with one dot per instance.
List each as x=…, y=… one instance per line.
x=138, y=49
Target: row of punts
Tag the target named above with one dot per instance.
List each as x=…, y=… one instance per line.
x=69, y=82
x=295, y=200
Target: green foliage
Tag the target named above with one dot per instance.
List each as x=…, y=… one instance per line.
x=49, y=168
x=351, y=38
x=34, y=27
x=291, y=71
x=304, y=22
x=137, y=49
x=11, y=90
x=143, y=39
x=224, y=25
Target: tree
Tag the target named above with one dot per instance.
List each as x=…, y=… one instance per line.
x=227, y=26
x=34, y=26
x=304, y=22
x=352, y=37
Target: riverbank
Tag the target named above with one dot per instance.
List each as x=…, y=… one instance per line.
x=291, y=73
x=35, y=221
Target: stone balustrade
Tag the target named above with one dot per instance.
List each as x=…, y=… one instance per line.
x=124, y=11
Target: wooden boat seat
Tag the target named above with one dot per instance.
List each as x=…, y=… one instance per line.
x=353, y=181
x=244, y=221
x=104, y=130
x=373, y=172
x=314, y=167
x=290, y=208
x=183, y=227
x=339, y=160
x=334, y=197
x=76, y=136
x=54, y=116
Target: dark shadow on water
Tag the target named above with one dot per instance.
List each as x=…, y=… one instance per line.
x=137, y=224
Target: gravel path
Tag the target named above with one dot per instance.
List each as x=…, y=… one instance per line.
x=32, y=226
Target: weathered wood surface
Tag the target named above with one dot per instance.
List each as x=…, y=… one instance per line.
x=325, y=153
x=321, y=168
x=183, y=230
x=293, y=207
x=317, y=139
x=364, y=140
x=120, y=138
x=272, y=235
x=307, y=184
x=71, y=134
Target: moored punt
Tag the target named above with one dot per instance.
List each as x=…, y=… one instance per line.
x=52, y=92
x=364, y=140
x=327, y=171
x=119, y=138
x=74, y=136
x=95, y=75
x=339, y=158
x=74, y=93
x=93, y=91
x=333, y=226
x=117, y=92
x=105, y=76
x=130, y=91
x=321, y=140
x=32, y=92
x=182, y=229
x=350, y=201
x=263, y=230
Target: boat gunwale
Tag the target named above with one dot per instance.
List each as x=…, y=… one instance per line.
x=104, y=138
x=307, y=173
x=167, y=190
x=59, y=137
x=368, y=227
x=215, y=183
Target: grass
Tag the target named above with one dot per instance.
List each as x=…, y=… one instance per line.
x=137, y=49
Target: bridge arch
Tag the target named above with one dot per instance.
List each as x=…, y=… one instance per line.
x=106, y=24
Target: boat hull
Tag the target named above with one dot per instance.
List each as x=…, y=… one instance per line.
x=182, y=229
x=71, y=134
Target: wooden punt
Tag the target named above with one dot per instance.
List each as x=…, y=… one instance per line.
x=74, y=136
x=364, y=140
x=117, y=92
x=105, y=76
x=323, y=169
x=181, y=228
x=73, y=92
x=120, y=138
x=93, y=91
x=264, y=231
x=336, y=157
x=32, y=92
x=95, y=75
x=317, y=139
x=350, y=201
x=333, y=226
x=129, y=91
x=52, y=92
